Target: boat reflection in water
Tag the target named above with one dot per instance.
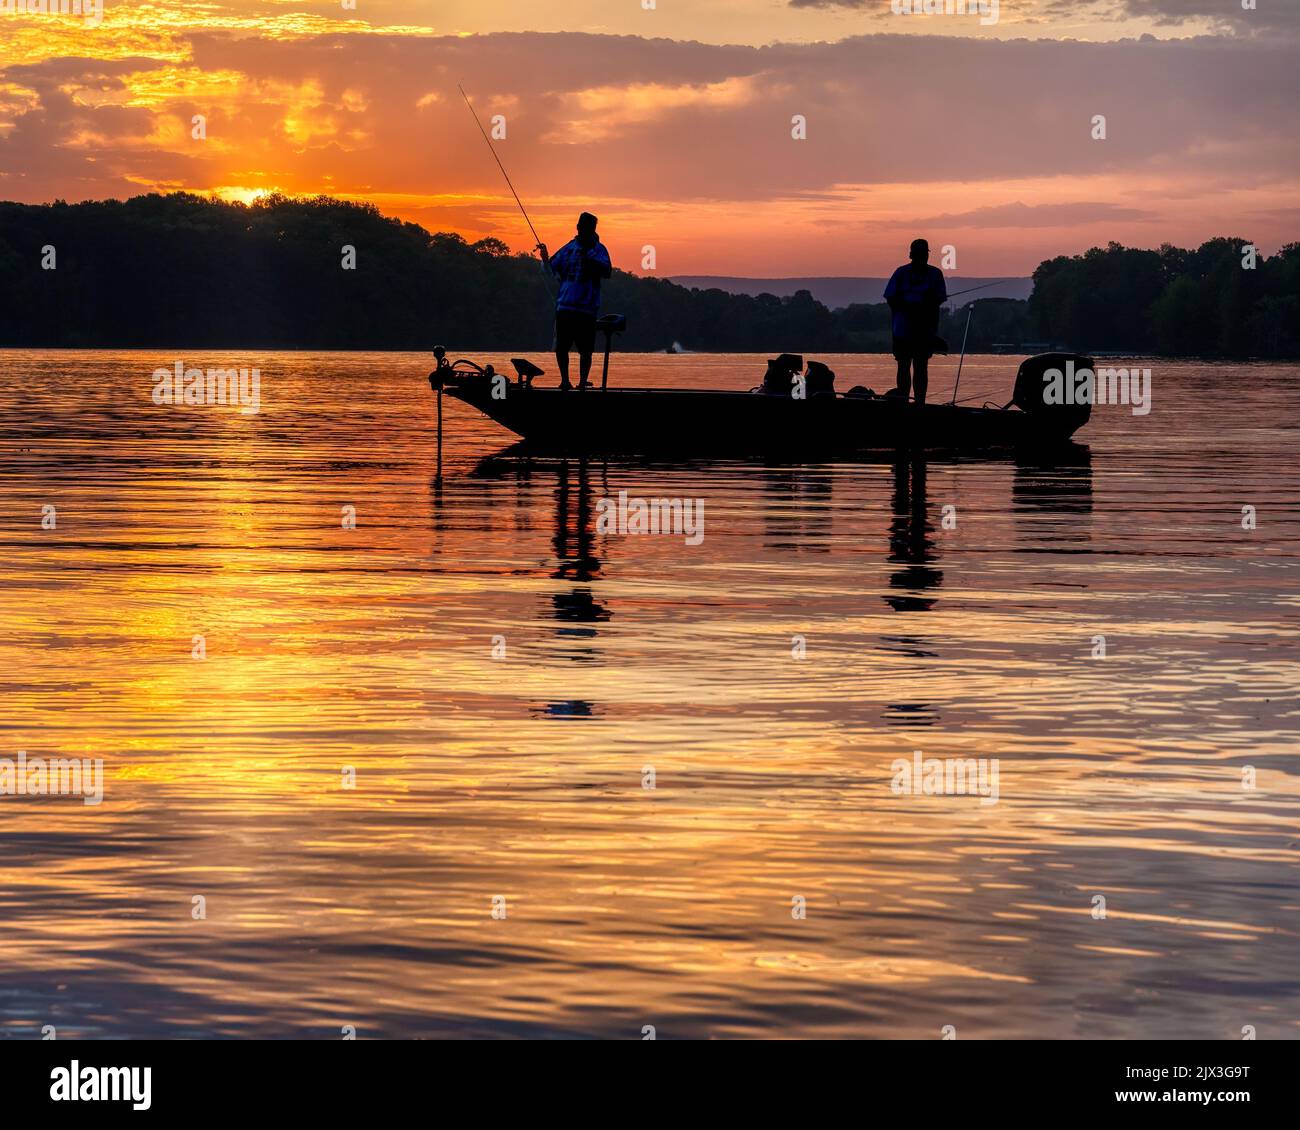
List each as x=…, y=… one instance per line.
x=1061, y=486
x=797, y=517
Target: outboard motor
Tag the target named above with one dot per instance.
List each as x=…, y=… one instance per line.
x=1057, y=388
x=777, y=381
x=820, y=379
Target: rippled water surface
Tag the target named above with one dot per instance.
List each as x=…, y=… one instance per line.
x=517, y=781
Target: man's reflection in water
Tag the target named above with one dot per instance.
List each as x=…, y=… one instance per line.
x=574, y=543
x=910, y=540
x=911, y=545
x=576, y=561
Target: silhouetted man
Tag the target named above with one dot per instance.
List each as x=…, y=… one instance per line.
x=579, y=265
x=915, y=292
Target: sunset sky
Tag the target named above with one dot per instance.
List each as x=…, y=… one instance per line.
x=674, y=123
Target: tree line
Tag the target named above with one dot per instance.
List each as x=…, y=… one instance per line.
x=181, y=270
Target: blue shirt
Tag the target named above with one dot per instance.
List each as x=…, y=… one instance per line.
x=916, y=311
x=580, y=270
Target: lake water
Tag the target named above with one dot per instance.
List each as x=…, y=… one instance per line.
x=504, y=679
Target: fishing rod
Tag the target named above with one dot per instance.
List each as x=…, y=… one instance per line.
x=957, y=383
x=970, y=309
x=546, y=274
x=438, y=378
x=500, y=166
x=982, y=286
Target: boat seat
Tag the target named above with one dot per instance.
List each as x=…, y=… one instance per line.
x=612, y=323
x=525, y=370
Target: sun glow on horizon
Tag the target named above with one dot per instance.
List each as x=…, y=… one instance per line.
x=675, y=126
x=241, y=194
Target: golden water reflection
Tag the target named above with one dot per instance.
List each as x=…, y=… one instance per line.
x=501, y=676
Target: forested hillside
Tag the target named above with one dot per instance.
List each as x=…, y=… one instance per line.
x=184, y=270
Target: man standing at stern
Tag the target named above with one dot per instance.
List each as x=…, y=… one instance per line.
x=915, y=293
x=579, y=265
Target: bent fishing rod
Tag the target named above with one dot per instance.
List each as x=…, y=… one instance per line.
x=500, y=166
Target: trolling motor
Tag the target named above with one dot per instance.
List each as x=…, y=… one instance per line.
x=438, y=375
x=445, y=373
x=436, y=381
x=453, y=373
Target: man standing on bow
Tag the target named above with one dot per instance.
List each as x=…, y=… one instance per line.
x=579, y=265
x=915, y=293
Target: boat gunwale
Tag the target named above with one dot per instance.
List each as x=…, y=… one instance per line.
x=453, y=389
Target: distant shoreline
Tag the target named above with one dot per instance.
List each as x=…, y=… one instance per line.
x=838, y=292
x=327, y=274
x=517, y=351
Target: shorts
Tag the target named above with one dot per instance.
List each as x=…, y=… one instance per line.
x=575, y=330
x=913, y=348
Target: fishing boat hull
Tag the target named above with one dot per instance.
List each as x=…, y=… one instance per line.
x=651, y=421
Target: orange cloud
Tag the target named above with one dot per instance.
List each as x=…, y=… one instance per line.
x=607, y=111
x=683, y=145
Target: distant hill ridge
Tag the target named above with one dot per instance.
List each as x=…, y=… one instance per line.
x=836, y=292
x=184, y=271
